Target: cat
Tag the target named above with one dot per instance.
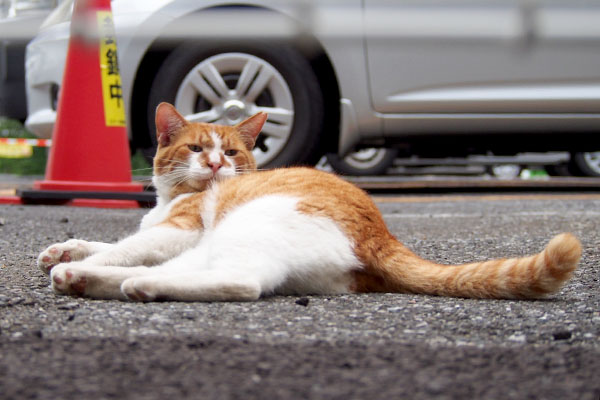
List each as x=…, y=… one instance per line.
x=289, y=231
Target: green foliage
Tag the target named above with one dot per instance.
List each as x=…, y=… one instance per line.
x=34, y=165
x=139, y=165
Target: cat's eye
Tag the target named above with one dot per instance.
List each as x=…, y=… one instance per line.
x=231, y=152
x=195, y=148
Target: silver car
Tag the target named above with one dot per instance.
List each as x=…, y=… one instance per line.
x=425, y=77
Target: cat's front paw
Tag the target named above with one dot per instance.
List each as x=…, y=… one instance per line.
x=68, y=280
x=71, y=250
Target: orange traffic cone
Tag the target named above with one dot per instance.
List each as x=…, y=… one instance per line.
x=90, y=149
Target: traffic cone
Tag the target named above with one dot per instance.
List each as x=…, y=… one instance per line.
x=90, y=149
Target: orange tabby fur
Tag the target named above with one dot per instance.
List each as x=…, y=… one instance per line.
x=388, y=266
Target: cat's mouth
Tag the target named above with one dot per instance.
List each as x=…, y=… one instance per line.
x=198, y=183
x=198, y=179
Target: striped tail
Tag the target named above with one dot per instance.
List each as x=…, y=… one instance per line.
x=515, y=278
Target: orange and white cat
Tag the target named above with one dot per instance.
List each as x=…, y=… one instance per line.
x=284, y=231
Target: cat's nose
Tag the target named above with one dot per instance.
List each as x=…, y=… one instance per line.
x=215, y=166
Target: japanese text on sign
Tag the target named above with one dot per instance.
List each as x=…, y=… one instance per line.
x=112, y=90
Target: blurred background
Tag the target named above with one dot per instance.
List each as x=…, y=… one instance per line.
x=490, y=88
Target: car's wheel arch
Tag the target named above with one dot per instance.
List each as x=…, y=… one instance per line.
x=308, y=46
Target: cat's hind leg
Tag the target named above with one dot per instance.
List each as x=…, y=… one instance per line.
x=207, y=285
x=71, y=250
x=99, y=282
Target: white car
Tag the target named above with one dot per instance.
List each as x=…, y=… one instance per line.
x=19, y=22
x=431, y=78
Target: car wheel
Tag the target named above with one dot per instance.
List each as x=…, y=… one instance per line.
x=226, y=83
x=585, y=163
x=371, y=161
x=505, y=171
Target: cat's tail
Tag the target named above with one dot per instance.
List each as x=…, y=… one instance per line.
x=515, y=278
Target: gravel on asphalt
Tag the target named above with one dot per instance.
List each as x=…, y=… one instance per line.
x=327, y=347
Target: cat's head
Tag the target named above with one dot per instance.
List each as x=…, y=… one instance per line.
x=191, y=154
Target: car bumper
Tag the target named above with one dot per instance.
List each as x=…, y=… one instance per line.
x=44, y=65
x=15, y=33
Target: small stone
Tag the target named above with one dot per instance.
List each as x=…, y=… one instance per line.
x=16, y=301
x=68, y=306
x=303, y=301
x=188, y=316
x=64, y=220
x=562, y=335
x=517, y=337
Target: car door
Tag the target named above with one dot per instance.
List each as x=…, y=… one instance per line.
x=482, y=56
x=566, y=49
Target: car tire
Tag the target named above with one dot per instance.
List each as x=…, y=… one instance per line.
x=225, y=83
x=371, y=161
x=585, y=163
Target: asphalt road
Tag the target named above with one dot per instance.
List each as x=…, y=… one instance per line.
x=373, y=346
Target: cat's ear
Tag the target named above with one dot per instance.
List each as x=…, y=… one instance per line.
x=168, y=123
x=250, y=128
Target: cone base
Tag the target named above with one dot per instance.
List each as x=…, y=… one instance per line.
x=97, y=203
x=15, y=200
x=83, y=198
x=88, y=186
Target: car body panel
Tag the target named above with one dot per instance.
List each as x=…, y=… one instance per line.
x=499, y=56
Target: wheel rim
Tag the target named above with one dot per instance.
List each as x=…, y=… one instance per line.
x=506, y=171
x=230, y=87
x=592, y=160
x=365, y=158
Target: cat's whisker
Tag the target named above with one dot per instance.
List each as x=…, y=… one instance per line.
x=177, y=180
x=182, y=176
x=176, y=161
x=177, y=169
x=142, y=170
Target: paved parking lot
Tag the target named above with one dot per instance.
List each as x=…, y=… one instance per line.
x=350, y=346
